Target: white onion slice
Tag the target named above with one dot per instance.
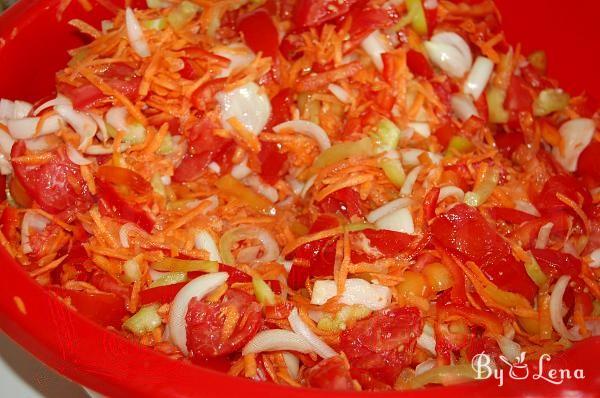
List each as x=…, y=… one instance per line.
x=421, y=128
x=556, y=307
x=254, y=182
x=526, y=207
x=388, y=208
x=31, y=220
x=59, y=100
x=196, y=288
x=205, y=241
x=399, y=220
x=6, y=142
x=575, y=135
x=124, y=233
x=451, y=190
x=14, y=109
x=102, y=130
x=293, y=364
x=340, y=93
x=410, y=180
x=76, y=157
x=241, y=170
x=117, y=118
x=214, y=167
x=248, y=104
x=427, y=340
x=450, y=53
x=277, y=340
x=463, y=107
x=237, y=234
x=410, y=156
x=510, y=349
x=425, y=366
x=135, y=34
x=25, y=128
x=594, y=259
x=374, y=45
x=543, y=236
x=239, y=56
x=307, y=128
x=298, y=326
x=478, y=77
x=308, y=185
x=356, y=292
x=592, y=325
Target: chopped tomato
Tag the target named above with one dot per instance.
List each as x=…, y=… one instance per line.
x=464, y=231
x=345, y=201
x=587, y=165
x=188, y=72
x=389, y=243
x=204, y=95
x=281, y=107
x=118, y=76
x=430, y=203
x=310, y=13
x=527, y=232
x=291, y=46
x=121, y=194
x=272, y=162
x=11, y=222
x=206, y=325
x=445, y=132
x=259, y=32
x=507, y=143
x=18, y=193
x=367, y=20
x=519, y=96
x=2, y=187
x=418, y=64
x=56, y=185
x=556, y=264
x=330, y=374
x=547, y=201
x=512, y=216
x=161, y=294
x=382, y=344
x=106, y=309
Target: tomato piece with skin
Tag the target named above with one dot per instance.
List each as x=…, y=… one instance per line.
x=547, y=202
x=464, y=231
x=106, y=309
x=57, y=185
x=507, y=143
x=11, y=221
x=345, y=201
x=519, y=96
x=527, y=232
x=205, y=323
x=587, y=164
x=272, y=162
x=382, y=345
x=309, y=13
x=2, y=187
x=161, y=294
x=281, y=107
x=330, y=374
x=389, y=243
x=556, y=264
x=366, y=20
x=259, y=32
x=204, y=95
x=512, y=216
x=418, y=64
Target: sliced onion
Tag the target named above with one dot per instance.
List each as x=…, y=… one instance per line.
x=556, y=307
x=409, y=182
x=76, y=157
x=526, y=207
x=592, y=325
x=544, y=236
x=38, y=144
x=427, y=340
x=425, y=366
x=196, y=288
x=356, y=292
x=254, y=182
x=231, y=237
x=478, y=77
x=451, y=190
x=25, y=128
x=575, y=136
x=388, y=208
x=6, y=142
x=293, y=364
x=214, y=203
x=117, y=118
x=463, y=107
x=102, y=130
x=277, y=340
x=135, y=34
x=410, y=156
x=214, y=167
x=375, y=45
x=340, y=93
x=239, y=56
x=59, y=100
x=205, y=241
x=241, y=170
x=510, y=349
x=594, y=259
x=309, y=183
x=450, y=52
x=125, y=231
x=5, y=164
x=248, y=254
x=31, y=220
x=248, y=104
x=421, y=128
x=399, y=220
x=298, y=326
x=307, y=128
x=7, y=109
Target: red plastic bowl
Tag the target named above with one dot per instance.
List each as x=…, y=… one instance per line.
x=32, y=48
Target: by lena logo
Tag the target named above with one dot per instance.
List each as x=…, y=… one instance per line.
x=485, y=368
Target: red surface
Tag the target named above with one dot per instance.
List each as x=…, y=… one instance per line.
x=32, y=47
